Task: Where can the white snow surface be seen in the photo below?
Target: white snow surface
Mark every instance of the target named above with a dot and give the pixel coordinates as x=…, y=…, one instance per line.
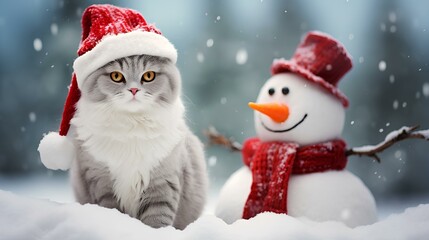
x=425, y=133
x=26, y=218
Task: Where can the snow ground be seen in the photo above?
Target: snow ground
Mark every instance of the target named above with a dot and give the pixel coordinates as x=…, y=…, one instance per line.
x=56, y=188
x=27, y=218
x=24, y=214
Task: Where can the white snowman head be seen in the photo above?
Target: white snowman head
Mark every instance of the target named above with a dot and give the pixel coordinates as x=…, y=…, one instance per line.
x=300, y=103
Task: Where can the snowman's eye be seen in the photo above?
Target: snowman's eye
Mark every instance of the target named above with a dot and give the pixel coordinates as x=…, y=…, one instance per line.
x=285, y=90
x=271, y=91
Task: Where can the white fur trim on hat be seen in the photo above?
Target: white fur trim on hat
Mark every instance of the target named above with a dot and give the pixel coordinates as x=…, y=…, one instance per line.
x=56, y=152
x=113, y=47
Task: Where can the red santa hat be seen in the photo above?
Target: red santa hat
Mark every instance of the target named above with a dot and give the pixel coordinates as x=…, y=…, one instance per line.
x=320, y=59
x=108, y=33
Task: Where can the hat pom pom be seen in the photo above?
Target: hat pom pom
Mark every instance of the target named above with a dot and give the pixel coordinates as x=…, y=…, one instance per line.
x=56, y=151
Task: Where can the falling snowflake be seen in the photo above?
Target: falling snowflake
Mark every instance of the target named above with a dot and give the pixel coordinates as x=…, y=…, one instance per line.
x=200, y=57
x=395, y=104
x=392, y=17
x=212, y=161
x=417, y=95
x=54, y=29
x=210, y=42
x=241, y=56
x=392, y=78
x=382, y=66
x=426, y=89
x=32, y=116
x=399, y=154
x=223, y=100
x=37, y=44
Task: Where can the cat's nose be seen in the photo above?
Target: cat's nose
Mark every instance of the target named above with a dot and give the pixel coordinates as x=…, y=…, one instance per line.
x=134, y=90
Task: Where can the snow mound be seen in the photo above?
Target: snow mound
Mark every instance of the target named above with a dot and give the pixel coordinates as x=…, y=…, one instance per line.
x=24, y=218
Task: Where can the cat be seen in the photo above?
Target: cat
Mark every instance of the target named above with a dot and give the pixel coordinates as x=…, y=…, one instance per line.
x=135, y=152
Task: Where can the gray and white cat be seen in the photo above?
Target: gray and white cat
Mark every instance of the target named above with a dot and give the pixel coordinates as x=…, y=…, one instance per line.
x=134, y=149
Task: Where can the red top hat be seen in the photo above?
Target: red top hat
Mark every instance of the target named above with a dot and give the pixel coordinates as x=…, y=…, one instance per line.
x=320, y=59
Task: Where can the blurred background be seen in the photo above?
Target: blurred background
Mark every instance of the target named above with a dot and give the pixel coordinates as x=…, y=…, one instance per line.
x=225, y=52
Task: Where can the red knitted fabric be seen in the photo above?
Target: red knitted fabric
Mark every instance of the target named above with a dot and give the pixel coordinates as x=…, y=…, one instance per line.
x=69, y=106
x=320, y=59
x=272, y=163
x=99, y=21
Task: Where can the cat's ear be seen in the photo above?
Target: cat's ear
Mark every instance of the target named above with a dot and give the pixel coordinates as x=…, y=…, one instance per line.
x=57, y=152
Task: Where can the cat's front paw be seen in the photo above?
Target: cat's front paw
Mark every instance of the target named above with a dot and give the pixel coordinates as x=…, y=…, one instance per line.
x=158, y=221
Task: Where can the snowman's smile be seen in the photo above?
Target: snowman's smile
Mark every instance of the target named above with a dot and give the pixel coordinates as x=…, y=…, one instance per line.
x=284, y=130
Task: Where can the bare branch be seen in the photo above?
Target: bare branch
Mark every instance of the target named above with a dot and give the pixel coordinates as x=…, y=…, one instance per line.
x=218, y=139
x=392, y=138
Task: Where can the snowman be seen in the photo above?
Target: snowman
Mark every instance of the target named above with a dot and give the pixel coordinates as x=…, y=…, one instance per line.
x=296, y=164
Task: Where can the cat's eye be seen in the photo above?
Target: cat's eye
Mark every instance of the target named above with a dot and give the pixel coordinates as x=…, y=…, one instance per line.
x=148, y=76
x=117, y=76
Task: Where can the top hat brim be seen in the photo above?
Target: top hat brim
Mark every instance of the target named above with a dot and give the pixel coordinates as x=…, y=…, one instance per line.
x=284, y=66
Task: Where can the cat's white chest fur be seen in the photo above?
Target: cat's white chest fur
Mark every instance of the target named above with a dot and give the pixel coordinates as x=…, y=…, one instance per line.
x=131, y=145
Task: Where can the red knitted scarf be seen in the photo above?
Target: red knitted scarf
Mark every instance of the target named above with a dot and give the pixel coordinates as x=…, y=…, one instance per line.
x=273, y=162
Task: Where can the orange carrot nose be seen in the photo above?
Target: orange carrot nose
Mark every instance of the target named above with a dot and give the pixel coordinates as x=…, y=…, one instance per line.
x=276, y=111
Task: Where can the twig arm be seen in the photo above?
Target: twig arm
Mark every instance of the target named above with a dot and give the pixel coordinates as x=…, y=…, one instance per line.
x=216, y=138
x=392, y=138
